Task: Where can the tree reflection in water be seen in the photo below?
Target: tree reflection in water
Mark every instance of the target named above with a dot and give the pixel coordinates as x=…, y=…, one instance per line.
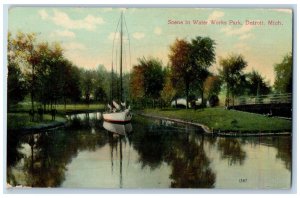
x=283, y=145
x=191, y=166
x=151, y=147
x=50, y=152
x=41, y=160
x=13, y=155
x=181, y=148
x=284, y=151
x=44, y=166
x=231, y=149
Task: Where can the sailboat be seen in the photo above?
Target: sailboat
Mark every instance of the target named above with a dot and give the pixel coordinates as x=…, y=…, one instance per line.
x=121, y=129
x=118, y=113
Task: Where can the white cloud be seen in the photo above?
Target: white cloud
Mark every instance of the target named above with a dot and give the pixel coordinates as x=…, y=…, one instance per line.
x=215, y=15
x=157, y=31
x=138, y=35
x=229, y=30
x=63, y=33
x=74, y=46
x=62, y=19
x=243, y=33
x=43, y=14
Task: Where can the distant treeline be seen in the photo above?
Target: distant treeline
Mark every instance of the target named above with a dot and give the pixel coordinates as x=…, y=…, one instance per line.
x=40, y=71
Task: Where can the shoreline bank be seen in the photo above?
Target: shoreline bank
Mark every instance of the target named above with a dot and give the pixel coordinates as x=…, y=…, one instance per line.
x=42, y=127
x=221, y=133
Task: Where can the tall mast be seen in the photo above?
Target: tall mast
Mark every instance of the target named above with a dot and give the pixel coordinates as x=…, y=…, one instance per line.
x=121, y=56
x=111, y=86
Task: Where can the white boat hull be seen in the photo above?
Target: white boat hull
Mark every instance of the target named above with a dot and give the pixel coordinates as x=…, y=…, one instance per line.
x=120, y=129
x=117, y=117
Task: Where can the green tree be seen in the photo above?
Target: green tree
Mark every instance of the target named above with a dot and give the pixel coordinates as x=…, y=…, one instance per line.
x=137, y=83
x=284, y=77
x=87, y=84
x=212, y=88
x=231, y=73
x=168, y=92
x=103, y=83
x=100, y=94
x=257, y=84
x=190, y=63
x=23, y=46
x=71, y=83
x=147, y=79
x=153, y=77
x=202, y=57
x=50, y=73
x=181, y=68
x=16, y=85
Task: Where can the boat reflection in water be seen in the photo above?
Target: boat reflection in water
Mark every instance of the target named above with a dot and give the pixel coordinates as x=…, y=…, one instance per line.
x=120, y=129
x=154, y=155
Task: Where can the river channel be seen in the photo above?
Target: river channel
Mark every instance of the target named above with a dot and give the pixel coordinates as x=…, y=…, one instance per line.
x=146, y=153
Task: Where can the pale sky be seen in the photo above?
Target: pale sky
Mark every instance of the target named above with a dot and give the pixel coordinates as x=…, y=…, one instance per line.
x=86, y=33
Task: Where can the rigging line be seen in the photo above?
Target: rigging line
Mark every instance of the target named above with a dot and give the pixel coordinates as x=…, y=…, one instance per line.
x=125, y=61
x=128, y=153
x=116, y=72
x=128, y=40
x=115, y=38
x=125, y=69
x=112, y=58
x=116, y=61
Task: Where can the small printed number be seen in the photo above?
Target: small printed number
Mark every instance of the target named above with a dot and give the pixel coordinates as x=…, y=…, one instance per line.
x=242, y=180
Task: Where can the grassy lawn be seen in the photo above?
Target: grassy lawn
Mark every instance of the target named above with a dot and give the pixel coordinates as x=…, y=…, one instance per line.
x=61, y=108
x=80, y=107
x=226, y=120
x=18, y=116
x=21, y=120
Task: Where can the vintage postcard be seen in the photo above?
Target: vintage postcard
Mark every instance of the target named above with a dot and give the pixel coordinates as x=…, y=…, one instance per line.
x=149, y=97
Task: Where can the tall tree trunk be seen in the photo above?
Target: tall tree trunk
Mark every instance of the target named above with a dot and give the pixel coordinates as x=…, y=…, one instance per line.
x=65, y=102
x=227, y=96
x=32, y=104
x=187, y=93
x=32, y=92
x=202, y=95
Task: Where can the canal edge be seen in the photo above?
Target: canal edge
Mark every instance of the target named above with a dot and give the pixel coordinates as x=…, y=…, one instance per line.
x=208, y=131
x=40, y=128
x=205, y=128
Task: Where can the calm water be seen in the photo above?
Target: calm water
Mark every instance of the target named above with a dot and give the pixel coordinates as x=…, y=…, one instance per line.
x=145, y=154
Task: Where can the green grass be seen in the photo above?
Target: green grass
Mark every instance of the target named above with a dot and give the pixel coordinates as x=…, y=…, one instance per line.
x=25, y=107
x=227, y=120
x=80, y=107
x=21, y=120
x=20, y=117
